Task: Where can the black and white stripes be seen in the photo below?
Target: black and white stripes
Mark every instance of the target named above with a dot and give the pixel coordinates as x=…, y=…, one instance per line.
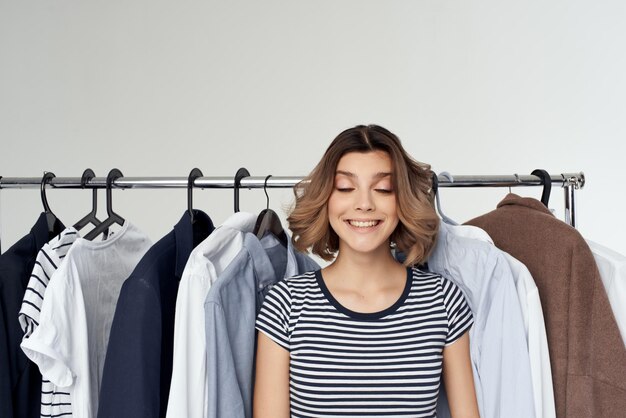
x=55, y=402
x=350, y=364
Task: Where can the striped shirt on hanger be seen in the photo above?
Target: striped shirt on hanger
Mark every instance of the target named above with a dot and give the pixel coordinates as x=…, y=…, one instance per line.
x=55, y=402
x=350, y=364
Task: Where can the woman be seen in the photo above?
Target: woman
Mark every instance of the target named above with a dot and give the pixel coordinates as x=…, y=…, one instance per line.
x=367, y=335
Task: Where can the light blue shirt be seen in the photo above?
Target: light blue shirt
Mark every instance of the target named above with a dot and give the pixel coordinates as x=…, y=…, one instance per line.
x=230, y=309
x=498, y=346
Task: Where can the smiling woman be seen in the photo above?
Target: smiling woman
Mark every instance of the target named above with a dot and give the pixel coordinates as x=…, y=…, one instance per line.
x=362, y=208
x=367, y=335
x=409, y=180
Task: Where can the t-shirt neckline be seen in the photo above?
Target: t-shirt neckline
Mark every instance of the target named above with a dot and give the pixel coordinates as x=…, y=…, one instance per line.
x=365, y=315
x=112, y=237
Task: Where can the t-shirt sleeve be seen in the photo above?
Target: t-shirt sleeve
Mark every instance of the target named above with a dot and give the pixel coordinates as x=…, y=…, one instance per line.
x=460, y=317
x=273, y=319
x=45, y=266
x=49, y=346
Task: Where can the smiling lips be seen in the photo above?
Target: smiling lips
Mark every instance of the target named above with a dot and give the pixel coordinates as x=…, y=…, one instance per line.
x=363, y=224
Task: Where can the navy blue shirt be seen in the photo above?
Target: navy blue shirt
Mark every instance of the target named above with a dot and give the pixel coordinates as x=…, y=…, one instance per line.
x=138, y=365
x=20, y=380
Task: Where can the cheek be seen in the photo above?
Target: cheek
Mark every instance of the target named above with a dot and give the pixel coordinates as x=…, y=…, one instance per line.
x=390, y=207
x=392, y=213
x=332, y=210
x=331, y=205
x=335, y=203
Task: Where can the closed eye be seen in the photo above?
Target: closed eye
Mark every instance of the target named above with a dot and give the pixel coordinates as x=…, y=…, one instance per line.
x=345, y=189
x=384, y=191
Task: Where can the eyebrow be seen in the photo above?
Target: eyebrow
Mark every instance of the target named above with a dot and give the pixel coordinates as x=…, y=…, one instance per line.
x=378, y=175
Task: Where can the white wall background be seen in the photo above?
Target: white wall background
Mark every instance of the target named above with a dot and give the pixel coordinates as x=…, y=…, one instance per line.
x=157, y=87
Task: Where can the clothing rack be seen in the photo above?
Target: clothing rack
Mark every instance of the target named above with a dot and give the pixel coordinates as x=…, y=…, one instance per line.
x=570, y=182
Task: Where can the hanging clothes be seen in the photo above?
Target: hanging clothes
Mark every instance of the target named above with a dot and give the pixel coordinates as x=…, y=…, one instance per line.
x=231, y=307
x=70, y=343
x=534, y=326
x=138, y=365
x=612, y=268
x=20, y=381
x=498, y=347
x=188, y=390
x=586, y=351
x=55, y=402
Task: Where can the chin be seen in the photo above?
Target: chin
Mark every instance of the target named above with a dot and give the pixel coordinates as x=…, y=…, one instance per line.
x=369, y=249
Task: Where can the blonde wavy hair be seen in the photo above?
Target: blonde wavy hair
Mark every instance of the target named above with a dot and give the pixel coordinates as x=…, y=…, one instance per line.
x=412, y=181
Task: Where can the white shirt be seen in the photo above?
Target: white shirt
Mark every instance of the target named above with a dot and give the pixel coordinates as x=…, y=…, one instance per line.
x=534, y=325
x=612, y=267
x=498, y=347
x=189, y=390
x=70, y=343
x=55, y=402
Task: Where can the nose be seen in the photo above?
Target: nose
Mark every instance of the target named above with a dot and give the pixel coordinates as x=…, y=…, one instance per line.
x=364, y=201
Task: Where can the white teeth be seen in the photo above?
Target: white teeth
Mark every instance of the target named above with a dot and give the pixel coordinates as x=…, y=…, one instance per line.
x=363, y=224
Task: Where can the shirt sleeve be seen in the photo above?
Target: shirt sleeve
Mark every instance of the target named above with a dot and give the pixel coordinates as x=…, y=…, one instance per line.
x=35, y=291
x=229, y=395
x=50, y=344
x=273, y=319
x=188, y=390
x=460, y=317
x=48, y=260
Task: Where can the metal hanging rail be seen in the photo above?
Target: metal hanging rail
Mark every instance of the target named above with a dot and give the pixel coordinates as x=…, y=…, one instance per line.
x=569, y=181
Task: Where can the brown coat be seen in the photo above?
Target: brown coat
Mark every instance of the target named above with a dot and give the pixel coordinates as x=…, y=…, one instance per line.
x=587, y=354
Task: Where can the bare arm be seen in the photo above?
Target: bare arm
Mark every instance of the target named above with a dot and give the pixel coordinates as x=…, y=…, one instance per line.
x=459, y=380
x=271, y=386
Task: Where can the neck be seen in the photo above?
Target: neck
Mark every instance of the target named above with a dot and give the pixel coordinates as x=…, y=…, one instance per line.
x=368, y=267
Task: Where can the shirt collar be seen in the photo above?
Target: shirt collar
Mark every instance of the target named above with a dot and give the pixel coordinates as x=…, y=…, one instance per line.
x=241, y=221
x=514, y=200
x=292, y=262
x=469, y=231
x=263, y=266
x=438, y=258
x=184, y=232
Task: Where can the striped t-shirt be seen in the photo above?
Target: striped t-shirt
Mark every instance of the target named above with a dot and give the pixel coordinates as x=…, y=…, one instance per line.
x=55, y=402
x=350, y=364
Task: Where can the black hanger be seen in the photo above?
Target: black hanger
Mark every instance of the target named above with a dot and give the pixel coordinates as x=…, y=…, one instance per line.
x=90, y=218
x=241, y=173
x=435, y=183
x=546, y=180
x=113, y=218
x=193, y=175
x=50, y=217
x=268, y=221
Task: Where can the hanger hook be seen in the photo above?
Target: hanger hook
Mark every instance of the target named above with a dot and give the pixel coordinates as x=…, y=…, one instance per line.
x=88, y=174
x=113, y=175
x=193, y=175
x=446, y=176
x=47, y=176
x=241, y=173
x=267, y=197
x=546, y=180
